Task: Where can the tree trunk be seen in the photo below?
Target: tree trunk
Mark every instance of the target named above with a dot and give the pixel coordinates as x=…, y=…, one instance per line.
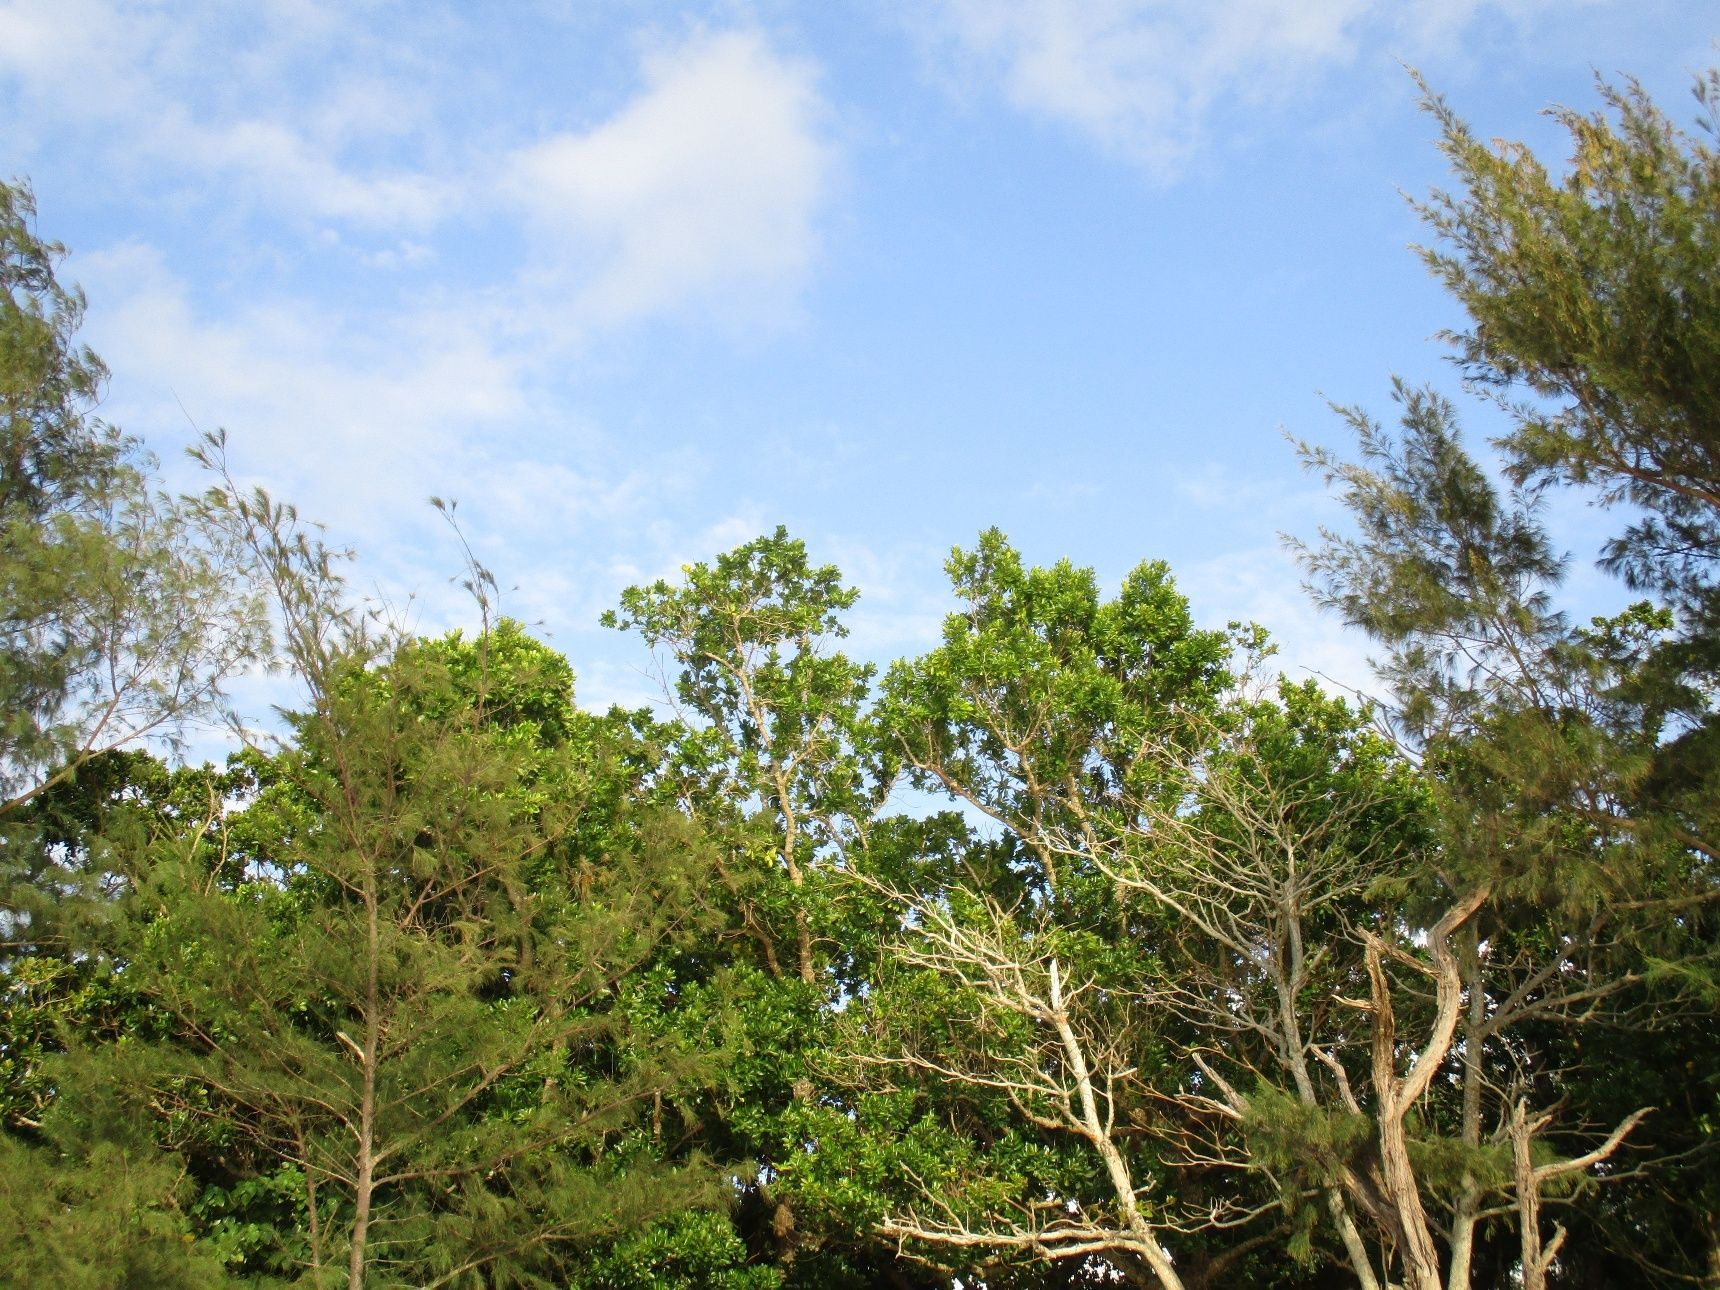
x=791, y=842
x=1294, y=1052
x=1467, y=1208
x=1536, y=1257
x=1395, y=1095
x=366, y=1172
x=1354, y=1246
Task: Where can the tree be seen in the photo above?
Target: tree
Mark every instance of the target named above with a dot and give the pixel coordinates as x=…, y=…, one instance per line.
x=116, y=1216
x=1036, y=713
x=1192, y=970
x=1186, y=879
x=772, y=751
x=1290, y=818
x=1596, y=293
x=1575, y=767
x=120, y=614
x=776, y=733
x=119, y=619
x=419, y=1013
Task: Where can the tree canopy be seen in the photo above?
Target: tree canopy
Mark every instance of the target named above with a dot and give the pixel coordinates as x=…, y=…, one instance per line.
x=1169, y=971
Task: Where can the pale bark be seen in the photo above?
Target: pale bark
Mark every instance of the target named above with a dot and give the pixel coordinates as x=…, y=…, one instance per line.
x=1099, y=1134
x=366, y=1162
x=1396, y=1094
x=1254, y=894
x=1061, y=1083
x=1528, y=1178
x=1536, y=1257
x=1466, y=1211
x=1351, y=1236
x=791, y=840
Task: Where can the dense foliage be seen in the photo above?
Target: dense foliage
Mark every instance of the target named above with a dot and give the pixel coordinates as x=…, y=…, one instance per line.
x=1191, y=977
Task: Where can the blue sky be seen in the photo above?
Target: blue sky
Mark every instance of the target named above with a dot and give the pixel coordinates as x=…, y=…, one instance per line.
x=636, y=282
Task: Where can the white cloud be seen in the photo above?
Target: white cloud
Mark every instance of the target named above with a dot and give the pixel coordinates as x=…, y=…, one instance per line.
x=904, y=597
x=1445, y=29
x=357, y=400
x=358, y=420
x=1141, y=76
x=1149, y=79
x=56, y=50
x=402, y=255
x=202, y=92
x=280, y=163
x=704, y=190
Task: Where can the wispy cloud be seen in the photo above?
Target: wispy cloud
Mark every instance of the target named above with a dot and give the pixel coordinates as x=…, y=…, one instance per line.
x=360, y=424
x=1264, y=586
x=1148, y=80
x=356, y=419
x=279, y=101
x=1141, y=76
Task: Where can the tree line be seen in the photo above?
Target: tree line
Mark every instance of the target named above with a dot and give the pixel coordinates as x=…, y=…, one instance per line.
x=1199, y=977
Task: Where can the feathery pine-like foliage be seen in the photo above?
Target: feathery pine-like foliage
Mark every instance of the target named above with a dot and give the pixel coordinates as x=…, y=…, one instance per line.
x=119, y=614
x=1203, y=981
x=1574, y=766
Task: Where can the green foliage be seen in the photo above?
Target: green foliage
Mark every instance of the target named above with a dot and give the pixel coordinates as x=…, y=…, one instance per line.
x=776, y=749
x=113, y=1217
x=1036, y=652
x=1035, y=707
x=255, y=1223
x=118, y=618
x=1018, y=1022
x=444, y=972
x=1596, y=290
x=456, y=984
x=1307, y=1145
x=746, y=624
x=774, y=753
x=393, y=979
x=60, y=469
x=1574, y=767
x=118, y=613
x=57, y=457
x=691, y=1251
x=63, y=974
